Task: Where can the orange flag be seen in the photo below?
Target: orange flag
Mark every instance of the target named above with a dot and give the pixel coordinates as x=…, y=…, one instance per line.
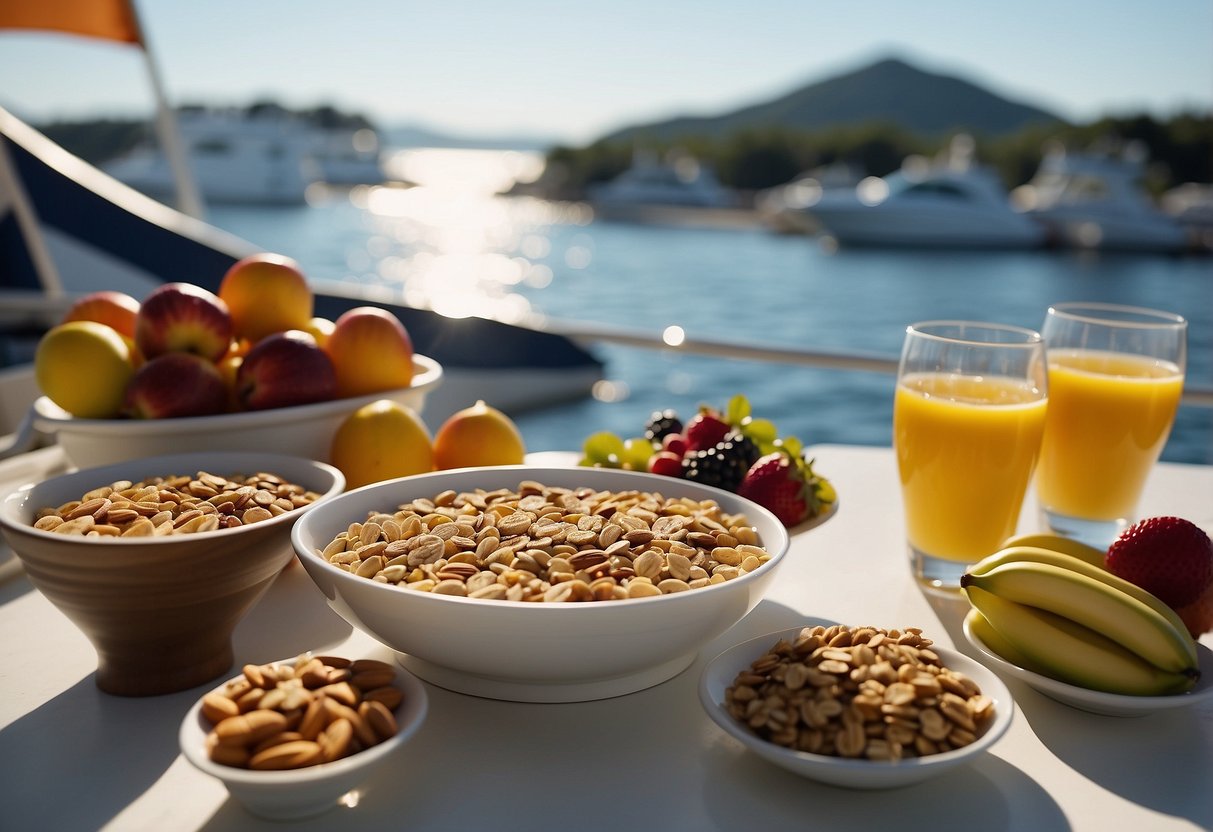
x=108, y=19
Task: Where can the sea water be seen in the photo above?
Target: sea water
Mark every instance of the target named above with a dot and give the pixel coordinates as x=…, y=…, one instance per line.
x=450, y=243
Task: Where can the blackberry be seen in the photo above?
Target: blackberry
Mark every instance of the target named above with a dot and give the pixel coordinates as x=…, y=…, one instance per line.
x=662, y=423
x=723, y=465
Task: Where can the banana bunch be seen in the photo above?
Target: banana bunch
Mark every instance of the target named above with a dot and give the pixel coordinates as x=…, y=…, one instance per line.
x=1047, y=604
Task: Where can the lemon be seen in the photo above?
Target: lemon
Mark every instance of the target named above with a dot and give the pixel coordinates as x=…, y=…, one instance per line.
x=478, y=435
x=84, y=367
x=381, y=441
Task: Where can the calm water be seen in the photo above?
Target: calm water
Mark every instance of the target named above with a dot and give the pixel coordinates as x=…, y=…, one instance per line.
x=452, y=245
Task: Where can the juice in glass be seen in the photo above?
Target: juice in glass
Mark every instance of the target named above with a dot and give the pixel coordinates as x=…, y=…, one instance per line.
x=966, y=447
x=1109, y=417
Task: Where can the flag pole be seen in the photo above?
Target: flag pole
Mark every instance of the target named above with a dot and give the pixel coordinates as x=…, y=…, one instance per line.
x=188, y=199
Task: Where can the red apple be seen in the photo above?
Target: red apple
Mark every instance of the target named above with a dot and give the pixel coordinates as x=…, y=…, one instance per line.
x=285, y=369
x=181, y=317
x=114, y=309
x=176, y=384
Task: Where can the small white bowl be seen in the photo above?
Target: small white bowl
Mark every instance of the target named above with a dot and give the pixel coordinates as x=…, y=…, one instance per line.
x=841, y=771
x=303, y=792
x=535, y=652
x=1098, y=702
x=304, y=430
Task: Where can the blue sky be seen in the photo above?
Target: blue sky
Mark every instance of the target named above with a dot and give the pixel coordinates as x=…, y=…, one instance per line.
x=574, y=71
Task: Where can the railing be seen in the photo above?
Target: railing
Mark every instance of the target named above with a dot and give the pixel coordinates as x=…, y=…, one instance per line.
x=588, y=334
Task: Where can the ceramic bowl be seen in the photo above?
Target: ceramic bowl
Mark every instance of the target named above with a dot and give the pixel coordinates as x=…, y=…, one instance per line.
x=839, y=771
x=1094, y=701
x=304, y=792
x=304, y=430
x=159, y=611
x=535, y=652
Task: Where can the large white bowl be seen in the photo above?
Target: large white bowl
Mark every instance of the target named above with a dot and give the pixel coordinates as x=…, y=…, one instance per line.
x=304, y=430
x=841, y=771
x=534, y=652
x=1094, y=701
x=304, y=792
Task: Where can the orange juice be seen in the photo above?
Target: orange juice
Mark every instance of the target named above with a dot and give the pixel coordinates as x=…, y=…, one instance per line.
x=1109, y=417
x=966, y=447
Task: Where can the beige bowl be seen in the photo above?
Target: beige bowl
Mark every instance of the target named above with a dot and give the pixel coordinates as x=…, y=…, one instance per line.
x=159, y=611
x=304, y=430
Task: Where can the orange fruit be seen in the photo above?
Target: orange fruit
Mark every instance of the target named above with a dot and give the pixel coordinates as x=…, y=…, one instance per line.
x=381, y=441
x=478, y=435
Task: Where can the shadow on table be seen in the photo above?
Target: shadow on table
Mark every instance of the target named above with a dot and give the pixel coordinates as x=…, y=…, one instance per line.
x=290, y=619
x=79, y=760
x=1112, y=751
x=743, y=791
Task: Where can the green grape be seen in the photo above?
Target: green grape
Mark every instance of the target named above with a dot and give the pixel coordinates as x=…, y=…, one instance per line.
x=792, y=445
x=636, y=453
x=600, y=447
x=760, y=431
x=738, y=410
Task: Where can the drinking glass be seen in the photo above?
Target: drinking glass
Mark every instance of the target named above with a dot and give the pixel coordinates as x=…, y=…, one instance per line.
x=1116, y=374
x=968, y=415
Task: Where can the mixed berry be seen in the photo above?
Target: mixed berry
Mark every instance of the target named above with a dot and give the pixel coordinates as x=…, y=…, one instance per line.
x=727, y=449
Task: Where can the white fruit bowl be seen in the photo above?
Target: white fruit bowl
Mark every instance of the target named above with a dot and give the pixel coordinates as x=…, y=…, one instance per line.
x=841, y=771
x=304, y=792
x=535, y=652
x=304, y=430
x=1094, y=701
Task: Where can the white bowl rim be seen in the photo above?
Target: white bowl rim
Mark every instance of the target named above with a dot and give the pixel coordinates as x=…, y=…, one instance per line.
x=50, y=417
x=1120, y=702
x=992, y=687
x=191, y=737
x=19, y=496
x=601, y=608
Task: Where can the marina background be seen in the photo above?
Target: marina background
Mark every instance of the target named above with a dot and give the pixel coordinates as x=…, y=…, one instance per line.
x=452, y=242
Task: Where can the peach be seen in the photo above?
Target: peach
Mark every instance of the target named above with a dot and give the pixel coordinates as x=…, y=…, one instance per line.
x=266, y=293
x=478, y=435
x=320, y=329
x=371, y=352
x=116, y=310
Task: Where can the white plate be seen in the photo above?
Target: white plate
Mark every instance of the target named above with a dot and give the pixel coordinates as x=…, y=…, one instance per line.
x=1098, y=702
x=840, y=771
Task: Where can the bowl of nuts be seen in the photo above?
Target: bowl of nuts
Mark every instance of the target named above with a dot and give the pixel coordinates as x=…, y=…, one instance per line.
x=302, y=430
x=542, y=584
x=157, y=559
x=290, y=739
x=858, y=707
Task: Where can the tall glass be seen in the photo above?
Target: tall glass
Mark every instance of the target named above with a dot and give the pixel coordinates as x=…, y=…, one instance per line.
x=1116, y=374
x=968, y=416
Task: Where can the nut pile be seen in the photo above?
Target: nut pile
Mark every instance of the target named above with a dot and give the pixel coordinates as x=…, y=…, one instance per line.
x=175, y=505
x=285, y=716
x=542, y=543
x=862, y=692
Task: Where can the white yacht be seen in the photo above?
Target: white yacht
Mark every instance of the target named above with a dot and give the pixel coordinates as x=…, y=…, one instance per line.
x=954, y=204
x=1097, y=201
x=681, y=182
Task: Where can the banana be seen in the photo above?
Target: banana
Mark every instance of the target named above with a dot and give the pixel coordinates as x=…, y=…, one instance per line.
x=1065, y=650
x=1057, y=543
x=1035, y=554
x=996, y=642
x=1105, y=609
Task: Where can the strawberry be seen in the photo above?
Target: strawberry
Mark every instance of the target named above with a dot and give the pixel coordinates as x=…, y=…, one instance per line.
x=1168, y=557
x=1198, y=615
x=706, y=428
x=777, y=482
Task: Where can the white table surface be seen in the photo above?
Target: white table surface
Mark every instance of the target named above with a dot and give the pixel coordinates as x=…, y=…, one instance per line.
x=73, y=758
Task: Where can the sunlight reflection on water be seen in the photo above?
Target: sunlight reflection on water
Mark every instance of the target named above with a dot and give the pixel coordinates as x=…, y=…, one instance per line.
x=450, y=241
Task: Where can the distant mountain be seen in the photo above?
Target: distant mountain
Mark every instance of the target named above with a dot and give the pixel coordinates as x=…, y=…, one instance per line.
x=889, y=91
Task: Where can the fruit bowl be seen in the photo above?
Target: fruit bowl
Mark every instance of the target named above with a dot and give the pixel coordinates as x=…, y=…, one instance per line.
x=534, y=652
x=1094, y=701
x=304, y=792
x=159, y=610
x=839, y=771
x=302, y=430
